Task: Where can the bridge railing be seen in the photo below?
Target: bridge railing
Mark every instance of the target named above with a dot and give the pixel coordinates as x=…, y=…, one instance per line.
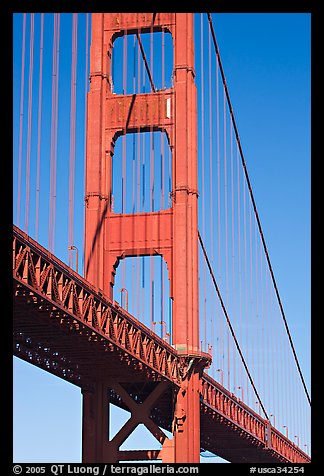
x=232, y=409
x=287, y=448
x=46, y=276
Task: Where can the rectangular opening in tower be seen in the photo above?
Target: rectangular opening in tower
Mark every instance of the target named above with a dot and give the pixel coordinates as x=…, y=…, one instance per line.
x=142, y=173
x=140, y=60
x=142, y=287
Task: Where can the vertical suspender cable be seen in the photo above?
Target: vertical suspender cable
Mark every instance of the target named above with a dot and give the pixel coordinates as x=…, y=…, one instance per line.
x=299, y=410
x=264, y=347
x=273, y=355
x=210, y=149
x=29, y=121
x=134, y=260
x=124, y=132
x=152, y=142
x=249, y=302
x=302, y=421
x=294, y=414
x=39, y=123
x=256, y=314
x=151, y=206
x=134, y=147
x=229, y=324
x=170, y=163
x=203, y=161
x=290, y=396
x=272, y=343
x=163, y=134
x=243, y=245
x=260, y=361
x=54, y=58
x=138, y=196
x=55, y=75
x=254, y=298
x=278, y=370
x=21, y=116
x=283, y=367
x=226, y=233
x=268, y=344
x=143, y=147
x=72, y=136
x=211, y=201
x=124, y=138
x=221, y=327
x=239, y=267
x=86, y=79
x=138, y=128
x=218, y=170
x=143, y=183
x=56, y=126
x=56, y=123
x=256, y=214
x=162, y=205
x=232, y=243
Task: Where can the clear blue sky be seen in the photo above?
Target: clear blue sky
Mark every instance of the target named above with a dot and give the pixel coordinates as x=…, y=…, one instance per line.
x=266, y=58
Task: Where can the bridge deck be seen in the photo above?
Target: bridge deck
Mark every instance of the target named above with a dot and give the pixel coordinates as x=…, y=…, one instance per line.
x=67, y=327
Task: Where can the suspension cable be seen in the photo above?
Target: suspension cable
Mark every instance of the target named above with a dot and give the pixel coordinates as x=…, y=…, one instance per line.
x=72, y=136
x=21, y=116
x=29, y=120
x=229, y=324
x=254, y=206
x=145, y=62
x=54, y=129
x=39, y=123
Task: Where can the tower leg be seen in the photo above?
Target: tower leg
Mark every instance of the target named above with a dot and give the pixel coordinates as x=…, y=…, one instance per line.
x=96, y=446
x=95, y=426
x=187, y=435
x=187, y=422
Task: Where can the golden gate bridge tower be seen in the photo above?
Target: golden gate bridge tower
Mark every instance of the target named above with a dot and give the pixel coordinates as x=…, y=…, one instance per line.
x=223, y=379
x=171, y=233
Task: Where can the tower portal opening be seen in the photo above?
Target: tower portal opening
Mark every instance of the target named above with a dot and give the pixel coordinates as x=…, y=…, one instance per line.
x=142, y=173
x=129, y=68
x=142, y=287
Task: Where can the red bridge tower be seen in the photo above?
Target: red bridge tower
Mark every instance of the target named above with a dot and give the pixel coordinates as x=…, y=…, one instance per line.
x=171, y=233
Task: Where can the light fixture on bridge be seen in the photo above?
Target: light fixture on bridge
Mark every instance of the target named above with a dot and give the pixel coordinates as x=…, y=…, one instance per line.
x=274, y=419
x=70, y=248
x=285, y=426
x=222, y=376
x=163, y=326
x=242, y=390
x=124, y=290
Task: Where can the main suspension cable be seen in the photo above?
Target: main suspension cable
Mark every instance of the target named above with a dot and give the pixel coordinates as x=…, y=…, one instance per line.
x=229, y=323
x=254, y=206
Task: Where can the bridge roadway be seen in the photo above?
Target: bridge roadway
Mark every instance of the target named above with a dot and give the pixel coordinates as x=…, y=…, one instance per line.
x=64, y=325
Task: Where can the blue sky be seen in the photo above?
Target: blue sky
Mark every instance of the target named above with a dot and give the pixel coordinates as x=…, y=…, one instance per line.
x=266, y=59
x=269, y=82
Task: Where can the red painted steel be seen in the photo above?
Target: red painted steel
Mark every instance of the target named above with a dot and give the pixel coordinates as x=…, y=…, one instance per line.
x=66, y=326
x=227, y=411
x=173, y=233
x=68, y=294
x=77, y=331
